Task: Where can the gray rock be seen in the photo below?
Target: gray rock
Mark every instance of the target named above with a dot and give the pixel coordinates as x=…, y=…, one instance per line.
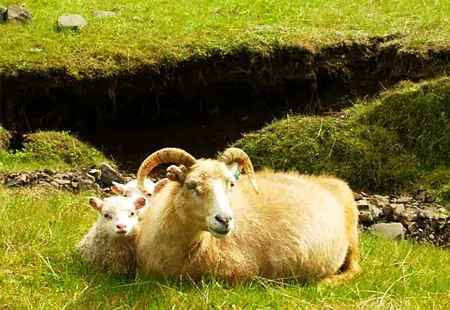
x=404, y=199
x=71, y=21
x=390, y=230
x=376, y=212
x=18, y=14
x=49, y=171
x=62, y=182
x=426, y=214
x=365, y=217
x=96, y=173
x=398, y=209
x=2, y=14
x=103, y=14
x=109, y=175
x=357, y=196
x=363, y=205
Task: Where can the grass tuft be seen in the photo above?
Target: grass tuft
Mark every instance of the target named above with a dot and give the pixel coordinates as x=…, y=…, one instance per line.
x=400, y=141
x=51, y=149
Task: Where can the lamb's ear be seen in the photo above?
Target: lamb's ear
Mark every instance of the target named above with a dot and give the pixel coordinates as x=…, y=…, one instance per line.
x=118, y=188
x=139, y=203
x=96, y=203
x=177, y=174
x=236, y=170
x=160, y=185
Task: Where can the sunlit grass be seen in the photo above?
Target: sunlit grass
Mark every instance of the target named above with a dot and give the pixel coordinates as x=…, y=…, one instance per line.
x=145, y=32
x=39, y=269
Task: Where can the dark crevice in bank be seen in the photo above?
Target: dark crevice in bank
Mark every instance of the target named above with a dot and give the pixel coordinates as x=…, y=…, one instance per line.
x=203, y=104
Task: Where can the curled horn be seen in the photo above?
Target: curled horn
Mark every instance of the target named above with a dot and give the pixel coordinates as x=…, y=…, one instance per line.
x=163, y=156
x=236, y=155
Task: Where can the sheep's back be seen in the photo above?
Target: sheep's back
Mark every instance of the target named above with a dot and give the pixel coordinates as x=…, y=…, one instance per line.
x=291, y=226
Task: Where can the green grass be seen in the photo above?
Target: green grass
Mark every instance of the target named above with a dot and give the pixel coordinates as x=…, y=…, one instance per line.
x=149, y=32
x=39, y=269
x=50, y=149
x=398, y=142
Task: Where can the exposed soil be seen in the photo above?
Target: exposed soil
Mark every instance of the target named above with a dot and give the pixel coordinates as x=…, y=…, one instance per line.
x=203, y=104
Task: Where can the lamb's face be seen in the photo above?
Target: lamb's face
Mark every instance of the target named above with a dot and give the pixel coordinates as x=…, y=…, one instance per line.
x=131, y=189
x=118, y=214
x=208, y=187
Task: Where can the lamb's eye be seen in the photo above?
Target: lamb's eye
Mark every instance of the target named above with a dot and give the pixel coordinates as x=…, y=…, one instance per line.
x=232, y=184
x=132, y=214
x=107, y=216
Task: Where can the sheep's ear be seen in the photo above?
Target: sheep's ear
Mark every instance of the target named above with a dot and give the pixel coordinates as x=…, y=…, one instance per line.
x=160, y=185
x=118, y=188
x=96, y=203
x=236, y=170
x=140, y=203
x=177, y=174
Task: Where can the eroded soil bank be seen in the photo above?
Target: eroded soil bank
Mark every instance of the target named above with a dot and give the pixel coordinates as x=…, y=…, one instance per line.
x=203, y=104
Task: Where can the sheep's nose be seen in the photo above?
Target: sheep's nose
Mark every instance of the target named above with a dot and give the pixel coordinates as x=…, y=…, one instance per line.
x=224, y=219
x=121, y=226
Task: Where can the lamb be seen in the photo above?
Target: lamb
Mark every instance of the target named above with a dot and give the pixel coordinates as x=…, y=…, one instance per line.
x=201, y=224
x=111, y=243
x=131, y=190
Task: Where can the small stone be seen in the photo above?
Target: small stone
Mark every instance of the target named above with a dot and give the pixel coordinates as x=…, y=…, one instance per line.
x=109, y=175
x=357, y=196
x=62, y=182
x=18, y=14
x=49, y=171
x=426, y=215
x=71, y=21
x=429, y=198
x=404, y=199
x=365, y=217
x=390, y=230
x=406, y=217
x=55, y=184
x=382, y=199
x=376, y=212
x=362, y=205
x=96, y=173
x=74, y=184
x=103, y=14
x=398, y=209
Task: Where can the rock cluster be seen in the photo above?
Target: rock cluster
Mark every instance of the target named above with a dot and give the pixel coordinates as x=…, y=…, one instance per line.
x=420, y=217
x=99, y=178
x=20, y=15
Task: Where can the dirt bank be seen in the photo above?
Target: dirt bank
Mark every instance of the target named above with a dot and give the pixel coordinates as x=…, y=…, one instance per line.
x=203, y=104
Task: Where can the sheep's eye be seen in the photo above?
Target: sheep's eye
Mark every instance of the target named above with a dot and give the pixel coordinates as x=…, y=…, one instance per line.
x=107, y=216
x=191, y=186
x=232, y=184
x=149, y=194
x=132, y=214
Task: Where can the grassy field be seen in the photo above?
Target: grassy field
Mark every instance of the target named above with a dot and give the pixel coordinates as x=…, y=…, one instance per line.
x=39, y=269
x=151, y=32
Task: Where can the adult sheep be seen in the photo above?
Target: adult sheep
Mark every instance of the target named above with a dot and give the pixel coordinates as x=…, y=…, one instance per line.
x=289, y=229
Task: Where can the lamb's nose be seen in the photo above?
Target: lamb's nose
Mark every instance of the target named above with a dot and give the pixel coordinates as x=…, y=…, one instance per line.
x=121, y=226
